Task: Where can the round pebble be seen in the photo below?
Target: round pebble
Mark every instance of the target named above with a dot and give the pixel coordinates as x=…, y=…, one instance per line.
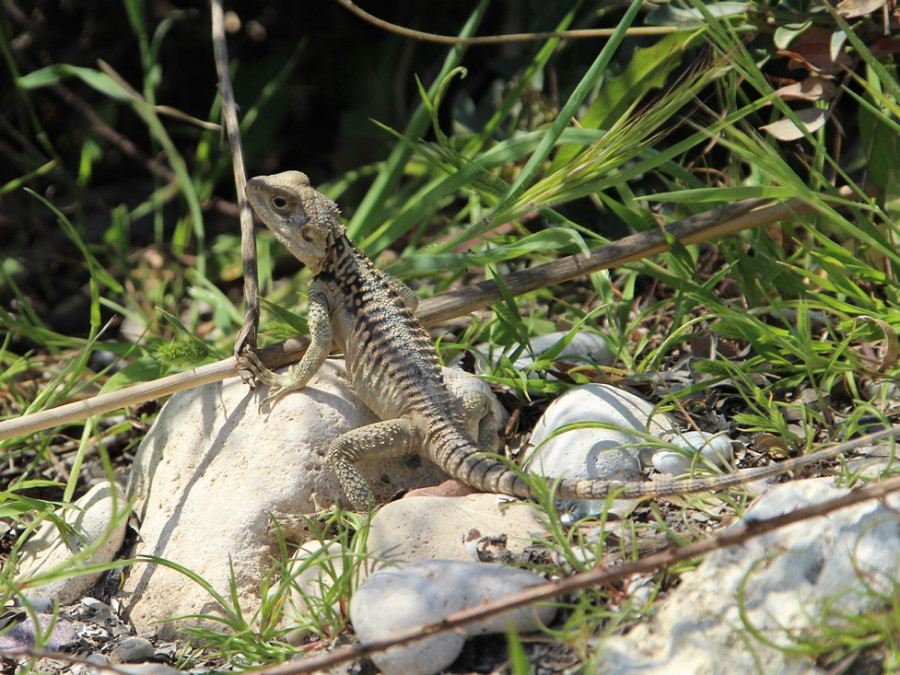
x=716, y=449
x=399, y=598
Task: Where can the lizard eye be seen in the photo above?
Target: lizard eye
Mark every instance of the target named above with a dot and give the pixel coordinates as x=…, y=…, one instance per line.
x=279, y=202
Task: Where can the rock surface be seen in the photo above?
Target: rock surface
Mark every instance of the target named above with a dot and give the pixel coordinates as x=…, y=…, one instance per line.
x=213, y=468
x=416, y=594
x=97, y=520
x=788, y=577
x=598, y=452
x=584, y=347
x=595, y=452
x=23, y=635
x=714, y=450
x=476, y=528
x=454, y=528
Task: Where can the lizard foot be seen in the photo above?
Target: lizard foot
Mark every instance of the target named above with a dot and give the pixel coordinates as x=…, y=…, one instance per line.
x=280, y=384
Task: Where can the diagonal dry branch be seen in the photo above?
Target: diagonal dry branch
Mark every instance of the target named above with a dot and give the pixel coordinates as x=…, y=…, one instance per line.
x=246, y=338
x=699, y=228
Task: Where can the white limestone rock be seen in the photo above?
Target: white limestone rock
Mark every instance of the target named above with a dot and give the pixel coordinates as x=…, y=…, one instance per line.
x=399, y=598
x=477, y=527
x=788, y=576
x=213, y=468
x=598, y=452
x=99, y=519
x=452, y=528
x=146, y=669
x=459, y=382
x=584, y=347
x=715, y=449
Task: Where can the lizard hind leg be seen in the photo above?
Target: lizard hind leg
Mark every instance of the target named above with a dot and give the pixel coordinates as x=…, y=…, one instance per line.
x=479, y=418
x=375, y=441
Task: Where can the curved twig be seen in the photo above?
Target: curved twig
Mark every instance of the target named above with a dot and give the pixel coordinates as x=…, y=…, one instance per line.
x=498, y=39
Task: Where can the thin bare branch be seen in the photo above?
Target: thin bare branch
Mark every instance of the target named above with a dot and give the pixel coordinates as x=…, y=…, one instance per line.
x=497, y=39
x=246, y=339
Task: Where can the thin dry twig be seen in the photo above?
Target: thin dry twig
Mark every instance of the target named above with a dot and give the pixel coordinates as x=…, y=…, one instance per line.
x=246, y=339
x=497, y=39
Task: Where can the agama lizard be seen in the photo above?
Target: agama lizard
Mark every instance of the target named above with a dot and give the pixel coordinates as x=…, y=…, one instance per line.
x=394, y=368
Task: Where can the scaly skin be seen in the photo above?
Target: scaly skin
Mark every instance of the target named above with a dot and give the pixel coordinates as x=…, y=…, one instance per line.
x=394, y=368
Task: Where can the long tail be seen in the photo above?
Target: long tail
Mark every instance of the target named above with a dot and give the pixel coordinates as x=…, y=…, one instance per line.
x=458, y=455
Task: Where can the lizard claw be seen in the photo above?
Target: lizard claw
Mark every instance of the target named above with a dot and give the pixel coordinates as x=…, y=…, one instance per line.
x=275, y=394
x=251, y=361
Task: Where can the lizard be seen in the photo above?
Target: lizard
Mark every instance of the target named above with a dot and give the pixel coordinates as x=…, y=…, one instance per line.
x=394, y=368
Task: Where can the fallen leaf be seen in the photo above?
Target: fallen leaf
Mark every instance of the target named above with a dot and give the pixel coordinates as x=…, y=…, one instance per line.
x=785, y=130
x=850, y=9
x=767, y=443
x=814, y=49
x=809, y=89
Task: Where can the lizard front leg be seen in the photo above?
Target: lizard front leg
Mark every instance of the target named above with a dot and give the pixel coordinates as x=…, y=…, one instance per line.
x=299, y=374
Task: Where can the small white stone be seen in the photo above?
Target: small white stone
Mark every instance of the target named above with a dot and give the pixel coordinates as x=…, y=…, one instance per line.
x=34, y=603
x=426, y=528
x=399, y=598
x=611, y=450
x=459, y=382
x=597, y=451
x=147, y=669
x=715, y=448
x=584, y=347
x=92, y=522
x=131, y=649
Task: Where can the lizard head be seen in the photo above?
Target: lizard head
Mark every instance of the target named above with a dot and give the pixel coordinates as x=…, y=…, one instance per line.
x=304, y=220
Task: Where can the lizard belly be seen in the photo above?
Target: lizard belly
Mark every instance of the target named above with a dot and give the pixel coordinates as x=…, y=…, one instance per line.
x=371, y=373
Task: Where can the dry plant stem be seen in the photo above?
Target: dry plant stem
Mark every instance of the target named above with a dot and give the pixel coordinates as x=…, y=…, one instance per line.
x=495, y=39
x=735, y=536
x=702, y=227
x=246, y=339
